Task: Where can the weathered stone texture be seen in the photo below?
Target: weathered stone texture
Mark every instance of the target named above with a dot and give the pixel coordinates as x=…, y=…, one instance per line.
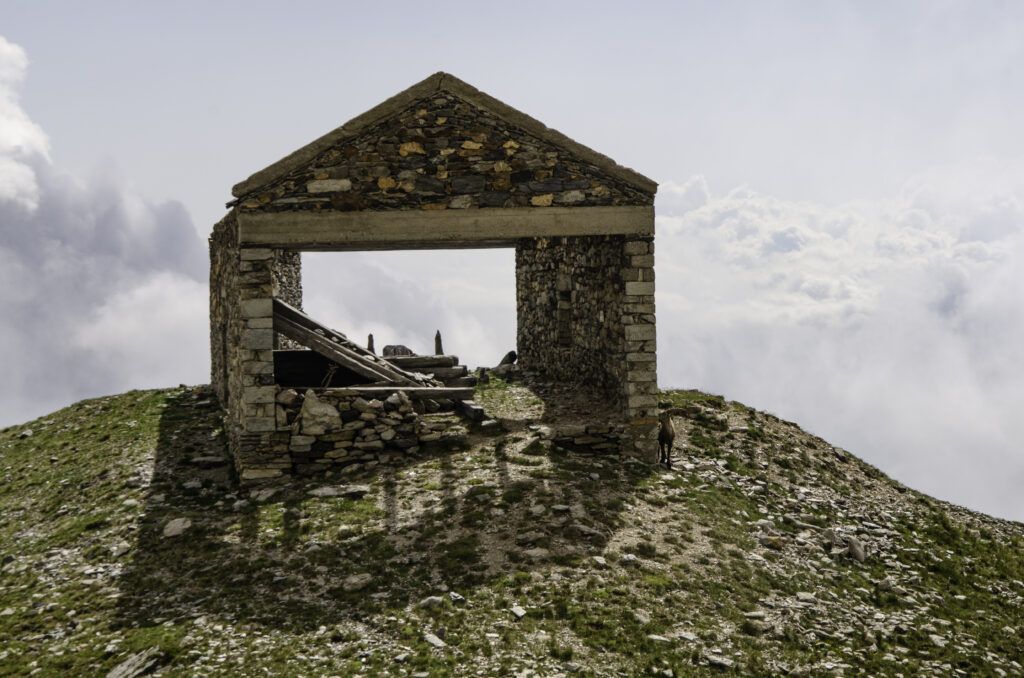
x=243, y=281
x=569, y=299
x=585, y=303
x=286, y=275
x=582, y=321
x=443, y=152
x=223, y=304
x=318, y=429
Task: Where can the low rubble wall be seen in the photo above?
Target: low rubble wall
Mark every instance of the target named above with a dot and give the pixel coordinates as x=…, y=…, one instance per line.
x=320, y=429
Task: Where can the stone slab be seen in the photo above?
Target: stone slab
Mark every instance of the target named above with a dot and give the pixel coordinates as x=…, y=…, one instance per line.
x=640, y=288
x=257, y=308
x=639, y=332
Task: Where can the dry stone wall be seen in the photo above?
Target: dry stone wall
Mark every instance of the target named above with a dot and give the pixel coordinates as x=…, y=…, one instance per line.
x=286, y=275
x=443, y=152
x=569, y=299
x=586, y=316
x=325, y=428
x=223, y=301
x=320, y=429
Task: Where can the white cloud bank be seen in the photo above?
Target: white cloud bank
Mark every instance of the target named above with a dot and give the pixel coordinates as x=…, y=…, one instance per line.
x=892, y=329
x=100, y=290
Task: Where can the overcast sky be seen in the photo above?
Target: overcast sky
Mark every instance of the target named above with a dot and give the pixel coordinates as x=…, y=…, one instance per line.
x=840, y=230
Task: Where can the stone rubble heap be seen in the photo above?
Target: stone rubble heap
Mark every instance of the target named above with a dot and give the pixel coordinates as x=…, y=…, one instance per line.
x=325, y=428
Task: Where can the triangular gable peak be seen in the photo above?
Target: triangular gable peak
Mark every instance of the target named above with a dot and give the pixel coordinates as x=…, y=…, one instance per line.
x=441, y=145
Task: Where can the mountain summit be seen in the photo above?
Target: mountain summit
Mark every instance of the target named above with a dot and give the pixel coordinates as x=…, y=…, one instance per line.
x=128, y=550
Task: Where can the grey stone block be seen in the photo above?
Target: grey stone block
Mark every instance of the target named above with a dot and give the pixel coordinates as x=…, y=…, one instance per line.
x=255, y=253
x=639, y=332
x=257, y=308
x=258, y=339
x=260, y=424
x=640, y=288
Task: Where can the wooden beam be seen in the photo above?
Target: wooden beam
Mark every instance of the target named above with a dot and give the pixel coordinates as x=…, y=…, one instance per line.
x=472, y=410
x=435, y=392
x=292, y=319
x=327, y=348
x=446, y=373
x=423, y=361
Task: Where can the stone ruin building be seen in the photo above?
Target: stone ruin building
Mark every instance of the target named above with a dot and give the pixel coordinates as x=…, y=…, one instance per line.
x=438, y=166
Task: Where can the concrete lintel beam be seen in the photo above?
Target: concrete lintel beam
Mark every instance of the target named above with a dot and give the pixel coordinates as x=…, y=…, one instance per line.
x=402, y=229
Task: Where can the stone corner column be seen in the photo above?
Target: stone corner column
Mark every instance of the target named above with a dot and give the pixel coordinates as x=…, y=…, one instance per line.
x=257, y=454
x=640, y=332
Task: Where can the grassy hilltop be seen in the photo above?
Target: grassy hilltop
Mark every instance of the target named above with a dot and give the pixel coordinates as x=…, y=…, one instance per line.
x=126, y=549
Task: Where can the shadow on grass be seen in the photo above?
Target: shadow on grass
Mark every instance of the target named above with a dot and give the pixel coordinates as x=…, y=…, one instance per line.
x=297, y=561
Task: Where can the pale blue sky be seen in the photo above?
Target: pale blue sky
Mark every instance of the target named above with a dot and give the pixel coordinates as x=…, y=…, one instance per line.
x=840, y=218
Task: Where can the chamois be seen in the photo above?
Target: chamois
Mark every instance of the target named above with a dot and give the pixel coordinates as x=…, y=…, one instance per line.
x=667, y=434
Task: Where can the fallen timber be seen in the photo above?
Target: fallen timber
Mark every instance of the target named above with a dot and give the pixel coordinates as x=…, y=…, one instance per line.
x=296, y=325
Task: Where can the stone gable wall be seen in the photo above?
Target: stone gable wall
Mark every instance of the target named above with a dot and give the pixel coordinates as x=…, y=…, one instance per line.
x=443, y=153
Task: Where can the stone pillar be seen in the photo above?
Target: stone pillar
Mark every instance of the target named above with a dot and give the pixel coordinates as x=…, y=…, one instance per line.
x=586, y=316
x=638, y=320
x=252, y=406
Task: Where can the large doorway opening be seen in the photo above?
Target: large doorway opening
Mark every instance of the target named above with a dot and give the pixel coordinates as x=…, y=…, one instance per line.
x=404, y=297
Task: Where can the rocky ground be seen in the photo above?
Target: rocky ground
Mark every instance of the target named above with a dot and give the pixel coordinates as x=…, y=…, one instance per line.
x=127, y=549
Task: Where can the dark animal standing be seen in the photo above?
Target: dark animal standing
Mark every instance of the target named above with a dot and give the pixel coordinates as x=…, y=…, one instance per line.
x=667, y=432
x=666, y=436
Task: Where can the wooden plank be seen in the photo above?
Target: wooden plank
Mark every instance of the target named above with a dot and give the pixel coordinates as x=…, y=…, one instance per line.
x=435, y=392
x=446, y=373
x=371, y=369
x=341, y=343
x=418, y=362
x=327, y=348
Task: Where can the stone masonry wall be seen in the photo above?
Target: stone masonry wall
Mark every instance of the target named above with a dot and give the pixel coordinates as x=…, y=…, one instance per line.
x=286, y=273
x=223, y=299
x=585, y=304
x=251, y=407
x=569, y=301
x=325, y=428
x=586, y=316
x=443, y=152
x=319, y=429
x=286, y=278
